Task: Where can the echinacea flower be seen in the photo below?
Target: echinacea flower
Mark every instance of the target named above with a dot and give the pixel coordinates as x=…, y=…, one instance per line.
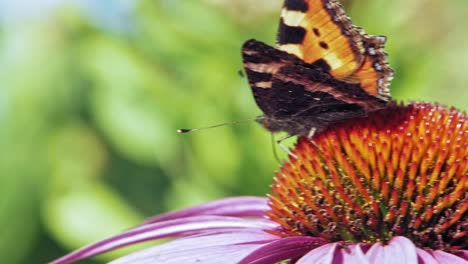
x=388, y=188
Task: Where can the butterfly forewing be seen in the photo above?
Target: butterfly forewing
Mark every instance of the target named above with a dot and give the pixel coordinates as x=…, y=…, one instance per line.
x=320, y=30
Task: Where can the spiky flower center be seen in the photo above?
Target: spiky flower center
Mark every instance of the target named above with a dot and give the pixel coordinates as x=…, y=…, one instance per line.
x=402, y=171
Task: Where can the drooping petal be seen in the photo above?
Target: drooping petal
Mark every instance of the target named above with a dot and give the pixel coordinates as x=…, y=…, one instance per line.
x=283, y=249
x=335, y=254
x=447, y=258
x=323, y=255
x=463, y=254
x=398, y=250
x=235, y=206
x=172, y=228
x=229, y=247
x=425, y=257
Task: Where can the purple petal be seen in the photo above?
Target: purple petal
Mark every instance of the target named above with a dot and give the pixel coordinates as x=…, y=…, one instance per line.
x=354, y=254
x=447, y=258
x=172, y=228
x=333, y=253
x=229, y=247
x=398, y=250
x=425, y=257
x=324, y=255
x=236, y=206
x=283, y=249
x=462, y=254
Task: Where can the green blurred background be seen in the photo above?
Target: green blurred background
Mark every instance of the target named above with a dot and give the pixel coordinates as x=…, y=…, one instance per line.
x=92, y=92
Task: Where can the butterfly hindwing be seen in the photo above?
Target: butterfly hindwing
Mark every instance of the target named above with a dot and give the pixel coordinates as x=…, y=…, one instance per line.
x=296, y=96
x=375, y=74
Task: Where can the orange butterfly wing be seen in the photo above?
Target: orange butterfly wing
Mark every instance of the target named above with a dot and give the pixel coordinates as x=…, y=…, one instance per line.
x=319, y=31
x=375, y=73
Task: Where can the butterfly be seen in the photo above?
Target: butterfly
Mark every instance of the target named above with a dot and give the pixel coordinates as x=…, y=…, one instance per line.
x=323, y=69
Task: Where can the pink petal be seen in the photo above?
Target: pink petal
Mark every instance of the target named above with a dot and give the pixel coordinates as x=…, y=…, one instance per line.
x=447, y=258
x=226, y=248
x=425, y=257
x=283, y=249
x=172, y=228
x=354, y=254
x=335, y=254
x=398, y=250
x=462, y=254
x=235, y=206
x=323, y=255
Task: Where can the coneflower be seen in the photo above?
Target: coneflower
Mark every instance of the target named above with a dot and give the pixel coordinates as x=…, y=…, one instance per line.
x=388, y=188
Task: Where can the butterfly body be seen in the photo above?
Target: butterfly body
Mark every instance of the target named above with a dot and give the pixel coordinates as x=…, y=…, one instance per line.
x=323, y=69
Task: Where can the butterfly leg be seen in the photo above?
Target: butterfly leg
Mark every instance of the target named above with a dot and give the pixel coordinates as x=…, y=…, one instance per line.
x=310, y=136
x=283, y=147
x=311, y=133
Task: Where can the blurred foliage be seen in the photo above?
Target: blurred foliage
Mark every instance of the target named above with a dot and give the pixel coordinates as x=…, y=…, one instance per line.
x=91, y=95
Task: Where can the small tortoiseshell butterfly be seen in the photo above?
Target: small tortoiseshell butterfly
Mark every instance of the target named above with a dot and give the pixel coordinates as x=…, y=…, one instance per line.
x=322, y=71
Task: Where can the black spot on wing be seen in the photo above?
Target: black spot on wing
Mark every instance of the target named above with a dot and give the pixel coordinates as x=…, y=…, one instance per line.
x=316, y=31
x=290, y=35
x=323, y=45
x=296, y=5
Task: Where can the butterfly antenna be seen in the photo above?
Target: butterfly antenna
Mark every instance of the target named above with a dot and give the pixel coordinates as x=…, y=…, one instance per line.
x=189, y=130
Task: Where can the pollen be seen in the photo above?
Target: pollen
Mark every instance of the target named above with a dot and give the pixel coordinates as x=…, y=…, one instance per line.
x=401, y=171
